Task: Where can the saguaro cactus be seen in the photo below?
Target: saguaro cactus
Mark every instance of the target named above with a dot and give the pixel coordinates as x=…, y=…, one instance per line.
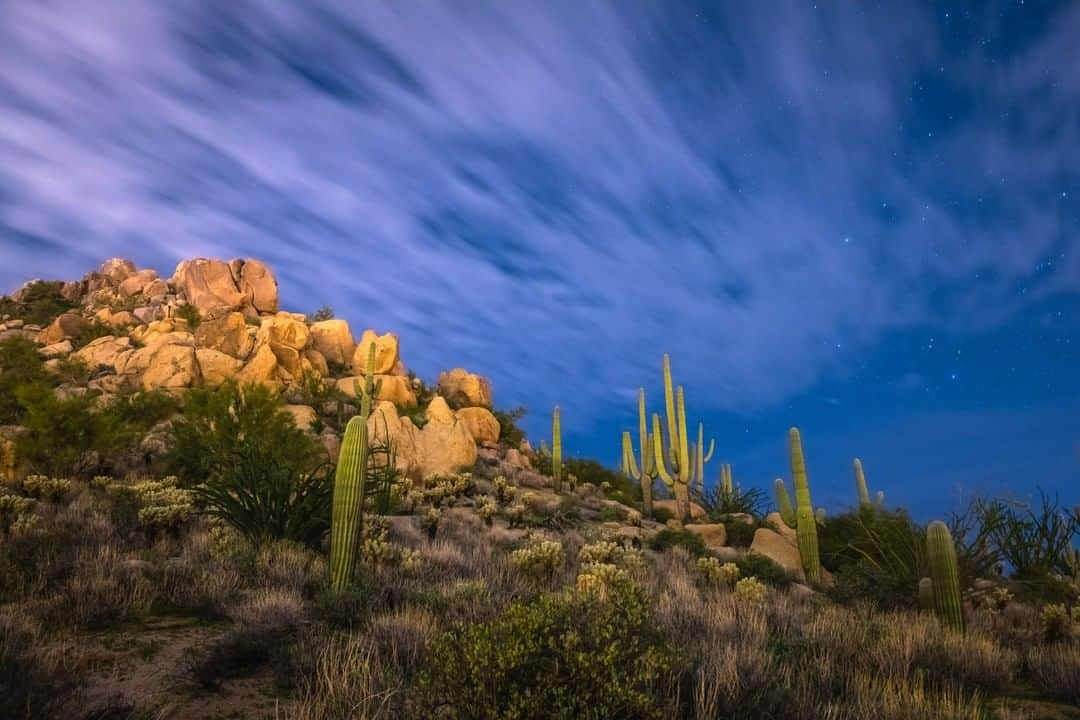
x=727, y=483
x=347, y=516
x=556, y=450
x=926, y=593
x=860, y=483
x=805, y=520
x=646, y=473
x=783, y=502
x=941, y=556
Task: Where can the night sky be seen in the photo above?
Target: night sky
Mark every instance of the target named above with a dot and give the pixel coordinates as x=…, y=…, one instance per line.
x=860, y=218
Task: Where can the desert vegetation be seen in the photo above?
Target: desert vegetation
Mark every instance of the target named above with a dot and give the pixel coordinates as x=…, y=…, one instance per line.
x=183, y=553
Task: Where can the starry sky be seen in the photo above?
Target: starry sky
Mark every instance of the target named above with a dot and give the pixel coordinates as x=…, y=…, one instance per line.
x=859, y=218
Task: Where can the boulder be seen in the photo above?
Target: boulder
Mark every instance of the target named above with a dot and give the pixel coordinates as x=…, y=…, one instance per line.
x=444, y=444
x=386, y=352
x=392, y=388
x=135, y=283
x=117, y=269
x=779, y=549
x=216, y=367
x=228, y=333
x=258, y=285
x=169, y=366
x=481, y=424
x=283, y=329
x=384, y=424
x=289, y=361
x=155, y=289
x=148, y=313
x=261, y=368
x=696, y=511
x=334, y=340
x=64, y=327
x=56, y=349
x=777, y=522
x=317, y=362
x=462, y=388
x=302, y=415
x=517, y=459
x=714, y=535
x=108, y=351
x=208, y=284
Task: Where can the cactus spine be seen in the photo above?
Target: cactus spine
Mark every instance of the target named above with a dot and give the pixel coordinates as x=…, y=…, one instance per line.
x=556, y=450
x=805, y=521
x=941, y=556
x=926, y=594
x=348, y=502
x=860, y=484
x=783, y=502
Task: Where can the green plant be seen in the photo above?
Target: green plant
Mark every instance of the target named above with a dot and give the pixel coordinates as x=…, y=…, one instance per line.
x=741, y=534
x=20, y=365
x=878, y=554
x=90, y=331
x=751, y=590
x=1034, y=540
x=556, y=450
x=323, y=313
x=722, y=501
x=562, y=656
x=189, y=314
x=39, y=303
x=265, y=499
x=941, y=556
x=539, y=561
x=509, y=432
x=926, y=593
x=861, y=490
x=72, y=369
x=216, y=426
x=805, y=521
x=348, y=499
x=671, y=537
x=764, y=569
x=645, y=470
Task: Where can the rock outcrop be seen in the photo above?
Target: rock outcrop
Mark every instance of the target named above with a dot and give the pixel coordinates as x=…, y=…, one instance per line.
x=245, y=285
x=462, y=388
x=386, y=352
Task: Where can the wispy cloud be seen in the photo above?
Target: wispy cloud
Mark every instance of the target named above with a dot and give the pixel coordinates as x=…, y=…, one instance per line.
x=556, y=193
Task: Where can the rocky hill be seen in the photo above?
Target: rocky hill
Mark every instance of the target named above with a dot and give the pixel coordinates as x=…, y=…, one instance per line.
x=215, y=320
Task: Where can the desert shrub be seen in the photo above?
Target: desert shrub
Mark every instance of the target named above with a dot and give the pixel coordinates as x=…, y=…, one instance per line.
x=713, y=572
x=91, y=331
x=20, y=366
x=662, y=515
x=152, y=506
x=881, y=552
x=1055, y=670
x=671, y=537
x=862, y=581
x=269, y=498
x=540, y=560
x=618, y=487
x=323, y=313
x=189, y=314
x=72, y=369
x=741, y=534
x=509, y=432
x=34, y=679
x=103, y=589
x=562, y=655
x=40, y=303
x=719, y=504
x=220, y=427
x=764, y=569
x=1034, y=540
x=751, y=590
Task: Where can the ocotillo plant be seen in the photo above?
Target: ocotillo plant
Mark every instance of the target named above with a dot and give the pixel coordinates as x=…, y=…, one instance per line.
x=941, y=556
x=556, y=450
x=347, y=516
x=805, y=521
x=646, y=473
x=783, y=503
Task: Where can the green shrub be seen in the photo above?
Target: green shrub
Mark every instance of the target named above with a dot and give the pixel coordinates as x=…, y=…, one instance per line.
x=40, y=304
x=91, y=331
x=662, y=515
x=565, y=655
x=719, y=504
x=670, y=537
x=509, y=432
x=764, y=569
x=20, y=365
x=189, y=314
x=884, y=545
x=324, y=313
x=218, y=426
x=741, y=534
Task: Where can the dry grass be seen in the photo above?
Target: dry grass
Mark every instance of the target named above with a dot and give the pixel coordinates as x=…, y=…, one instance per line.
x=1055, y=670
x=349, y=681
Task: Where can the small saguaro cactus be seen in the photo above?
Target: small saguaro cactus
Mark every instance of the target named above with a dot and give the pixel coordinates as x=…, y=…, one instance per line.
x=926, y=593
x=727, y=482
x=805, y=521
x=941, y=556
x=783, y=502
x=347, y=516
x=556, y=450
x=646, y=472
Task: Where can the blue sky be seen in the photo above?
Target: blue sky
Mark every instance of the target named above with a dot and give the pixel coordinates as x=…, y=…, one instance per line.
x=863, y=219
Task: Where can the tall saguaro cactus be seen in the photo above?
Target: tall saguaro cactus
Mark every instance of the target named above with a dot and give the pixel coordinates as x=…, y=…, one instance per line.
x=805, y=520
x=944, y=575
x=860, y=484
x=556, y=449
x=347, y=516
x=646, y=472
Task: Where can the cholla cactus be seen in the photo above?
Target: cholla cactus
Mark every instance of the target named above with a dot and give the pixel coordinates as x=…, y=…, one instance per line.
x=504, y=491
x=411, y=560
x=46, y=488
x=633, y=518
x=751, y=590
x=429, y=521
x=13, y=508
x=599, y=580
x=715, y=573
x=539, y=561
x=612, y=553
x=486, y=509
x=1057, y=622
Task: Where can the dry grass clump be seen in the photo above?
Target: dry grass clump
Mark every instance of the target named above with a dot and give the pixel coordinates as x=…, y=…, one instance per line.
x=36, y=679
x=349, y=681
x=1055, y=670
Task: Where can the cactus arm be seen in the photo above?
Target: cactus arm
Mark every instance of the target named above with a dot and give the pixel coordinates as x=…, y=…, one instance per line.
x=712, y=443
x=658, y=453
x=629, y=463
x=860, y=484
x=669, y=404
x=945, y=577
x=783, y=503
